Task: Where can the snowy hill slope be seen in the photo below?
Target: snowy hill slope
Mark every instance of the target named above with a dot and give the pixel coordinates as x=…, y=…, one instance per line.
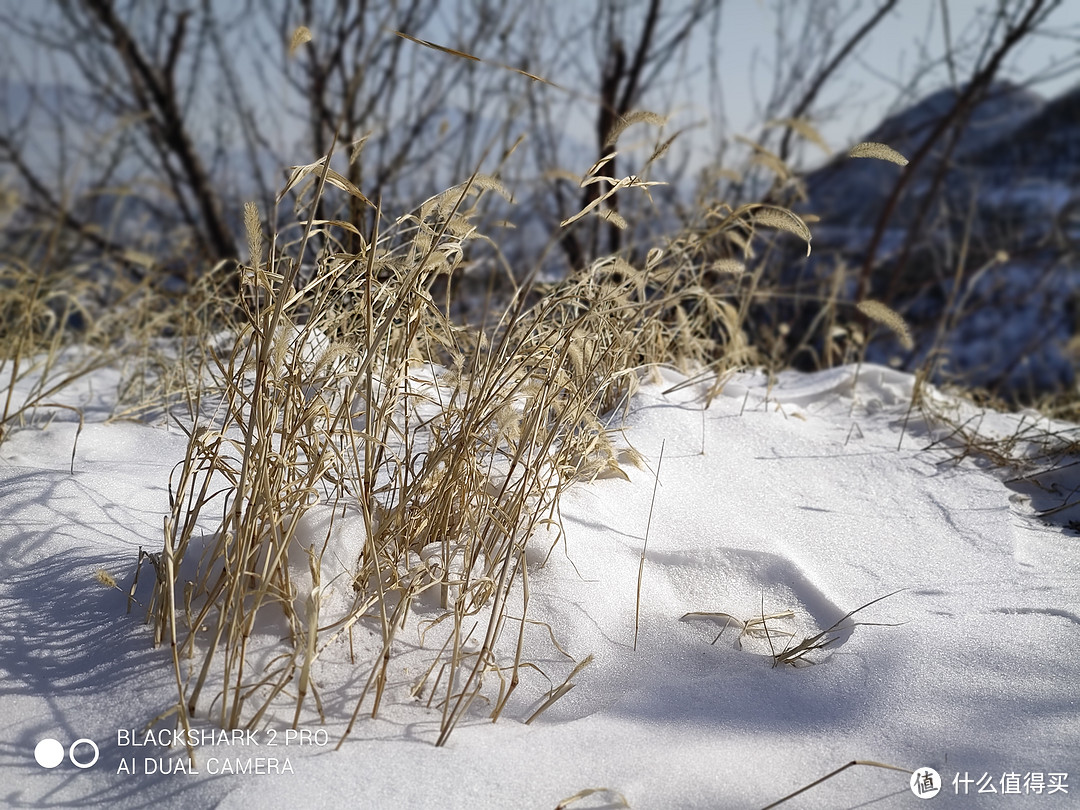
x=797, y=501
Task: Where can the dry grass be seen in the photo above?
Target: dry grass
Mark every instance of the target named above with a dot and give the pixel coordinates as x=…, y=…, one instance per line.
x=444, y=448
x=802, y=653
x=337, y=385
x=36, y=304
x=805, y=651
x=64, y=315
x=831, y=774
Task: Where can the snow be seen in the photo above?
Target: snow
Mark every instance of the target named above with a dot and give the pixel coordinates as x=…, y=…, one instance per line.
x=814, y=494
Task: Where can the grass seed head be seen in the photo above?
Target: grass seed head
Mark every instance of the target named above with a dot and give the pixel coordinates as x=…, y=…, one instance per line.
x=878, y=151
x=105, y=578
x=888, y=317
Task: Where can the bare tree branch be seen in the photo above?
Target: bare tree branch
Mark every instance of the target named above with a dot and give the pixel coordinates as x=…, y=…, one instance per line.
x=955, y=120
x=157, y=98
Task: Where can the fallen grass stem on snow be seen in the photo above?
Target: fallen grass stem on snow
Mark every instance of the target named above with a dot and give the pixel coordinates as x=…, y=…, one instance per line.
x=831, y=774
x=645, y=546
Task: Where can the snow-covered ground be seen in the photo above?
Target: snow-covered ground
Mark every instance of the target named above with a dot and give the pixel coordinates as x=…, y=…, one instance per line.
x=798, y=497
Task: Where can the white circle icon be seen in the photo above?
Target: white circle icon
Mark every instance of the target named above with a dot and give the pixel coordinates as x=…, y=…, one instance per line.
x=78, y=763
x=925, y=783
x=49, y=753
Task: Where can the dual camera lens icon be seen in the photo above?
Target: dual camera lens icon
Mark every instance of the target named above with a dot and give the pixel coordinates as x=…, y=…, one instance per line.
x=49, y=753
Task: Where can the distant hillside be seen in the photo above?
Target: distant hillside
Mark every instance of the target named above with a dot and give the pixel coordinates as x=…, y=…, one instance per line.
x=1011, y=188
x=851, y=193
x=1046, y=145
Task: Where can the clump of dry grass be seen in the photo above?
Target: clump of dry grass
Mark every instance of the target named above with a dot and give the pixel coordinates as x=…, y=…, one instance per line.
x=65, y=314
x=805, y=651
x=350, y=390
x=802, y=653
x=344, y=386
x=38, y=301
